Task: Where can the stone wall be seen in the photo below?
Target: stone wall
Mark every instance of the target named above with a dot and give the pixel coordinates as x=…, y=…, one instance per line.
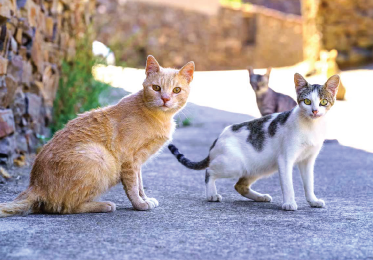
x=35, y=36
x=232, y=39
x=279, y=40
x=344, y=25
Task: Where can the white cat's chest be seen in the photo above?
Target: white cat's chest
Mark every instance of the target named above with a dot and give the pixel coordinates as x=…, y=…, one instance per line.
x=311, y=139
x=313, y=133
x=309, y=142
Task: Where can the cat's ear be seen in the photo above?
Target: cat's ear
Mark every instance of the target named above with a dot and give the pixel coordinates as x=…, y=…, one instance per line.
x=332, y=84
x=152, y=65
x=251, y=70
x=268, y=71
x=187, y=71
x=299, y=81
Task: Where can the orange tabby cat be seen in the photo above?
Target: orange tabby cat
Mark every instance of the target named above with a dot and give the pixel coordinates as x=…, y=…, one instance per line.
x=102, y=147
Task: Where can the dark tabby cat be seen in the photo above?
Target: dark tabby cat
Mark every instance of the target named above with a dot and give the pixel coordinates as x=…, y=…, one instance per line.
x=268, y=100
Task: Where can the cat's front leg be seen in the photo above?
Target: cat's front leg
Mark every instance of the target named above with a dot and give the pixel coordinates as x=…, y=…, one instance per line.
x=286, y=179
x=306, y=170
x=142, y=192
x=131, y=184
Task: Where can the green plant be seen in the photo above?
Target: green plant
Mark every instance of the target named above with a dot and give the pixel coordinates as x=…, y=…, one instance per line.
x=78, y=91
x=187, y=122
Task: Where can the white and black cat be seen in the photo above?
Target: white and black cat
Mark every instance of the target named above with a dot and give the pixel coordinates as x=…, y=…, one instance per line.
x=268, y=100
x=255, y=149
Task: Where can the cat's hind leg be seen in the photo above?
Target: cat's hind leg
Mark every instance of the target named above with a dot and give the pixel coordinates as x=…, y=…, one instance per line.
x=211, y=192
x=95, y=207
x=243, y=187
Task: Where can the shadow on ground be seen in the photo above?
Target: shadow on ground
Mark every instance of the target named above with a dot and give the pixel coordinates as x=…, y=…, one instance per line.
x=185, y=226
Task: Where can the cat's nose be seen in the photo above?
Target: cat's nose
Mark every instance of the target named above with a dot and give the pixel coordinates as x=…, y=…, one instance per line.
x=165, y=98
x=315, y=112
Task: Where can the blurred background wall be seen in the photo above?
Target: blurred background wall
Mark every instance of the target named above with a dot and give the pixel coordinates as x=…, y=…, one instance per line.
x=232, y=35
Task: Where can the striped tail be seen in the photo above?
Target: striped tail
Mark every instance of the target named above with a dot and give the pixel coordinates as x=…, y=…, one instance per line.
x=188, y=163
x=22, y=205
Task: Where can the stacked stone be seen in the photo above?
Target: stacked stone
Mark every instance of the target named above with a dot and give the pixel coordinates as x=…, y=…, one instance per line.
x=35, y=36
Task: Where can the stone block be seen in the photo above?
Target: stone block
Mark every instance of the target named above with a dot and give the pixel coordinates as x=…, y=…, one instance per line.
x=50, y=84
x=7, y=150
x=19, y=107
x=15, y=67
x=26, y=73
x=7, y=126
x=8, y=87
x=34, y=104
x=3, y=65
x=32, y=141
x=19, y=35
x=49, y=27
x=33, y=11
x=7, y=9
x=21, y=143
x=37, y=53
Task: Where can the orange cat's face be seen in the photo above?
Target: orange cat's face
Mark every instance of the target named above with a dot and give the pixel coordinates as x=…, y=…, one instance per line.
x=166, y=89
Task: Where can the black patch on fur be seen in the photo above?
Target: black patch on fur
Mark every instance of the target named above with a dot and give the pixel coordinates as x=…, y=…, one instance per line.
x=188, y=163
x=213, y=144
x=207, y=177
x=257, y=134
x=280, y=119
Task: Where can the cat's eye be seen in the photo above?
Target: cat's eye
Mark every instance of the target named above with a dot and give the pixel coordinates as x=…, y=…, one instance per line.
x=176, y=90
x=156, y=88
x=307, y=101
x=323, y=102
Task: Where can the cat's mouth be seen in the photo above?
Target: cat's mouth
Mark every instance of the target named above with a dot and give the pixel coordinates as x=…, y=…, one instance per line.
x=165, y=107
x=315, y=116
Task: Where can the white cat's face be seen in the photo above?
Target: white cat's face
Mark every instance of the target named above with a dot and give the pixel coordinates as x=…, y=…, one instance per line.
x=315, y=100
x=313, y=105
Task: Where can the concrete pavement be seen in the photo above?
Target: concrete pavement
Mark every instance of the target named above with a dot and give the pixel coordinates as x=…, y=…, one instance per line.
x=186, y=226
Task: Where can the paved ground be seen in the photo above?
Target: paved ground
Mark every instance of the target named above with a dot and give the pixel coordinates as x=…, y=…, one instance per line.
x=185, y=226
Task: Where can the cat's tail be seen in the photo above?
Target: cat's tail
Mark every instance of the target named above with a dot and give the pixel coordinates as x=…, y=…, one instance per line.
x=188, y=163
x=22, y=205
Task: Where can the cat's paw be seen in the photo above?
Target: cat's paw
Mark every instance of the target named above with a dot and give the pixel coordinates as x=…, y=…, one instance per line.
x=215, y=198
x=152, y=203
x=290, y=206
x=109, y=207
x=264, y=198
x=317, y=203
